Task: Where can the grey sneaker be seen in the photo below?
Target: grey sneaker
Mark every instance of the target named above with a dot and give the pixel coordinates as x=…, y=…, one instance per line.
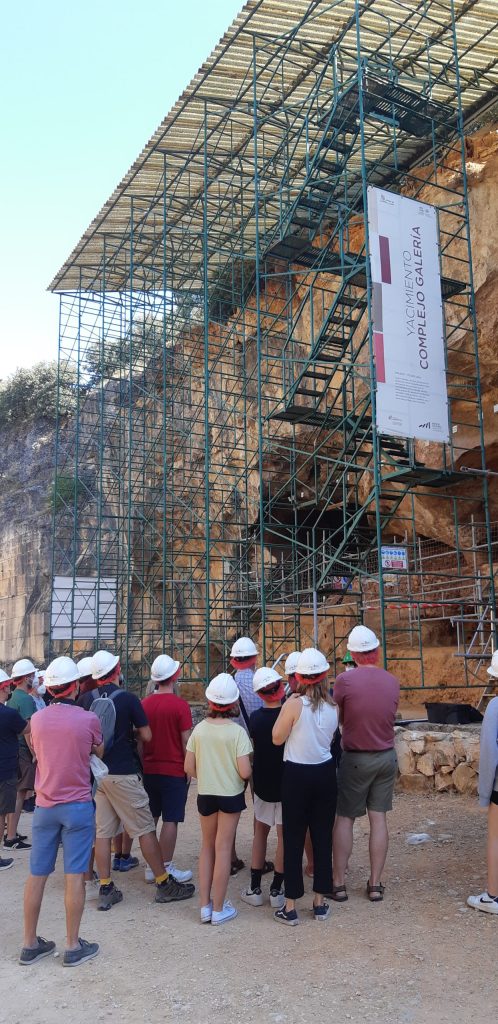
x=171, y=891
x=75, y=957
x=6, y=863
x=30, y=956
x=108, y=896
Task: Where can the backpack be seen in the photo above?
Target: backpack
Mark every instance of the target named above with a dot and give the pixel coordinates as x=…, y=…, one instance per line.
x=105, y=709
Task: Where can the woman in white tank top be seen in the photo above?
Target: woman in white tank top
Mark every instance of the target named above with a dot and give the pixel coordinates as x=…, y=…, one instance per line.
x=306, y=725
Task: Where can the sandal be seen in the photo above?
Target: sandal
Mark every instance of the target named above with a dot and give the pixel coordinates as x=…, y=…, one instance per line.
x=339, y=893
x=268, y=866
x=237, y=865
x=375, y=893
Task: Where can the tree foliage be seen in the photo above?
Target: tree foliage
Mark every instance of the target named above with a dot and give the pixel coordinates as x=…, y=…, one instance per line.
x=30, y=394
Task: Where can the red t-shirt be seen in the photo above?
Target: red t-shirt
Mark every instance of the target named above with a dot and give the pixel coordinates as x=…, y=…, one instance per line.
x=367, y=698
x=168, y=717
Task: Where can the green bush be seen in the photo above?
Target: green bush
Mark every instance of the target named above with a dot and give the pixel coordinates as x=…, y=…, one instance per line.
x=31, y=394
x=63, y=492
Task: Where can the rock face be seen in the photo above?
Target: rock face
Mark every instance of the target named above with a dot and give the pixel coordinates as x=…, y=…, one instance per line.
x=26, y=465
x=441, y=758
x=26, y=474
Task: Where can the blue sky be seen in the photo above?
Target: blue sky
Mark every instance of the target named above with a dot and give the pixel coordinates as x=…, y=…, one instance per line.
x=84, y=83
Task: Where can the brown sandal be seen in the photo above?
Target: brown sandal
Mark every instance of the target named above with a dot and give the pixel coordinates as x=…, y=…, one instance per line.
x=375, y=893
x=339, y=893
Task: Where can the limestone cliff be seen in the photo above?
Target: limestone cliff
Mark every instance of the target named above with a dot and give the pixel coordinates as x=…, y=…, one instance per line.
x=26, y=492
x=26, y=464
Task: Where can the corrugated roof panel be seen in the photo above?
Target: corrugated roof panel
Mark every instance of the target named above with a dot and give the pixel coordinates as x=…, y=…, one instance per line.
x=287, y=72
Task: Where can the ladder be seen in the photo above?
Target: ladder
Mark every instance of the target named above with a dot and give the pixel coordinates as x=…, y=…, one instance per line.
x=475, y=658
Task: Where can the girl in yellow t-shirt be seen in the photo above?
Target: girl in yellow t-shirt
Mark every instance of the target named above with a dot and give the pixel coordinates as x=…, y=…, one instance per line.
x=218, y=756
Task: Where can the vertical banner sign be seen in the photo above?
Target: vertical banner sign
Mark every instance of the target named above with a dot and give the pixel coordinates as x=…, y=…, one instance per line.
x=412, y=397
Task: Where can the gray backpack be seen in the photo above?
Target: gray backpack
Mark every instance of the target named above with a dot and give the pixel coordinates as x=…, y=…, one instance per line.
x=105, y=709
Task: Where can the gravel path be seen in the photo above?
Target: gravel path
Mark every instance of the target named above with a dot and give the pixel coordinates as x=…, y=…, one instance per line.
x=421, y=957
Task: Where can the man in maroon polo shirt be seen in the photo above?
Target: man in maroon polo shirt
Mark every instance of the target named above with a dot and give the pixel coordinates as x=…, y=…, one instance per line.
x=367, y=697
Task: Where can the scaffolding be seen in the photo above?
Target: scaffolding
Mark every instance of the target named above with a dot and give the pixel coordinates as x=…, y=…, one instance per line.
x=223, y=471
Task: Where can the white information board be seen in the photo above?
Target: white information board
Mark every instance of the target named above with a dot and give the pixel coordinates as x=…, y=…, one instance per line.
x=83, y=608
x=394, y=558
x=412, y=397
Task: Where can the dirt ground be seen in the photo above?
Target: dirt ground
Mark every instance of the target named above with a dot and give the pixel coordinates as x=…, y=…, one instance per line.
x=421, y=957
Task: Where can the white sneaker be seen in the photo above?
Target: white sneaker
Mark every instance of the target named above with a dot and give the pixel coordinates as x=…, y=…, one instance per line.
x=207, y=913
x=221, y=916
x=91, y=890
x=483, y=902
x=179, y=876
x=149, y=875
x=277, y=900
x=252, y=896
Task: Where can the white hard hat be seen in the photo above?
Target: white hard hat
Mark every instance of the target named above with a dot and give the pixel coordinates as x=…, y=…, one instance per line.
x=291, y=662
x=493, y=668
x=103, y=662
x=4, y=678
x=264, y=677
x=61, y=672
x=222, y=689
x=163, y=668
x=311, y=662
x=244, y=647
x=23, y=667
x=85, y=666
x=362, y=639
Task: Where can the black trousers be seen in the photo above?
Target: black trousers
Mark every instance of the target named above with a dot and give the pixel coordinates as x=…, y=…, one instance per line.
x=309, y=796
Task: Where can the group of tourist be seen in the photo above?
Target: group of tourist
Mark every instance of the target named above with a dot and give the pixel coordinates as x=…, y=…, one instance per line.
x=106, y=767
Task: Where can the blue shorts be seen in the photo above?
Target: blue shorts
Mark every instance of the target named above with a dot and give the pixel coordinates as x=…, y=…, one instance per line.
x=73, y=826
x=167, y=796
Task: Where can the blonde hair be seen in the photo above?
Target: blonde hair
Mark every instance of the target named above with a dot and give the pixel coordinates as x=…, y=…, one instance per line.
x=316, y=693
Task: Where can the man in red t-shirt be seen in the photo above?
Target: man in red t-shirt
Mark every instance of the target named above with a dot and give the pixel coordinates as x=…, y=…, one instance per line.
x=163, y=757
x=367, y=697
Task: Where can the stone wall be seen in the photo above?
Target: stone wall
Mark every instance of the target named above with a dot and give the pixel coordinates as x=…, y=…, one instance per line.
x=441, y=758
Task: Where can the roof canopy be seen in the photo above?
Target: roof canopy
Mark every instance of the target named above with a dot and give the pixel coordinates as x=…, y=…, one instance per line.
x=273, y=52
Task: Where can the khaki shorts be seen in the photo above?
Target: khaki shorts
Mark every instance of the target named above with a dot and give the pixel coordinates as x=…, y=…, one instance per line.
x=365, y=781
x=122, y=799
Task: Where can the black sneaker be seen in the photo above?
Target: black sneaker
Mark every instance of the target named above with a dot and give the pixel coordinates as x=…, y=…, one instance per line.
x=30, y=956
x=6, y=863
x=286, y=916
x=171, y=891
x=108, y=896
x=75, y=957
x=16, y=844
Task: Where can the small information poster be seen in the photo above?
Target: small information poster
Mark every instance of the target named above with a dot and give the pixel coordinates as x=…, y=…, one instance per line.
x=394, y=559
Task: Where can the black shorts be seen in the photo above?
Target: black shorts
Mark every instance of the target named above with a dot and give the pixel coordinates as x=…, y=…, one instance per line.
x=8, y=794
x=207, y=805
x=494, y=797
x=167, y=796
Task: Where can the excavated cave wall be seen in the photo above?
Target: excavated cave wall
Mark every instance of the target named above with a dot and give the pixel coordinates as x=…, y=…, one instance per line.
x=26, y=462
